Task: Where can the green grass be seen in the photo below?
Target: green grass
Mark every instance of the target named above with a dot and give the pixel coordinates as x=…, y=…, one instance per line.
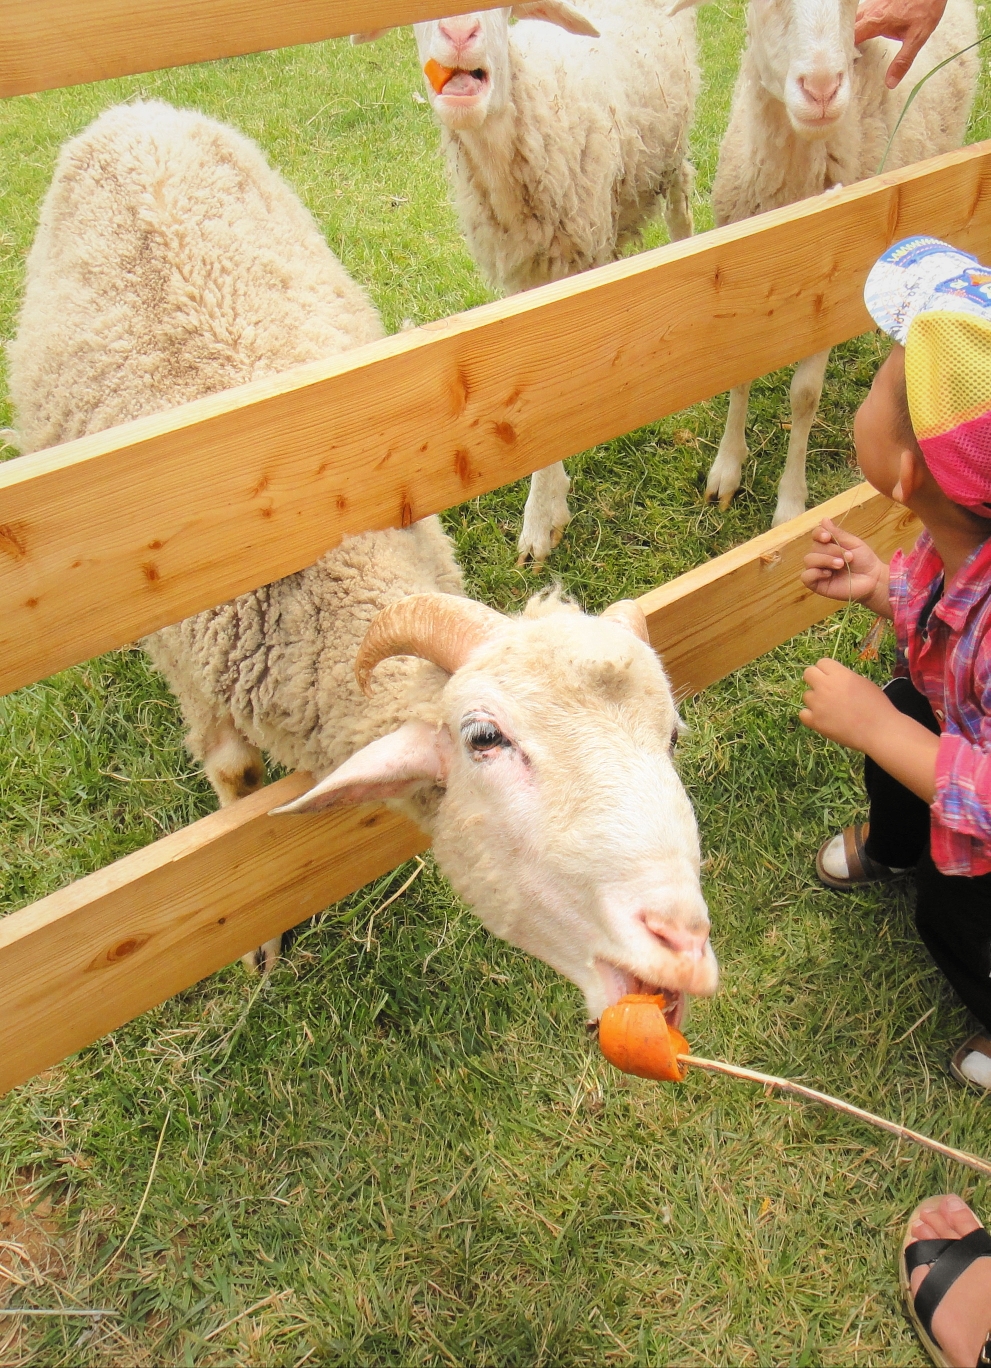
x=406, y=1131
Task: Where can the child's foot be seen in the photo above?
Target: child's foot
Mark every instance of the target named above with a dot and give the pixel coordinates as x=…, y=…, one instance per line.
x=954, y=1326
x=844, y=862
x=972, y=1062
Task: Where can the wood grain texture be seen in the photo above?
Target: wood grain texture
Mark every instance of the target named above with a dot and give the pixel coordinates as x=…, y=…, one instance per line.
x=81, y=962
x=711, y=620
x=49, y=43
x=114, y=535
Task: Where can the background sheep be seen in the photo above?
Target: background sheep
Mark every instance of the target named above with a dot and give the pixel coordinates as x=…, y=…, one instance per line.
x=172, y=261
x=560, y=142
x=811, y=112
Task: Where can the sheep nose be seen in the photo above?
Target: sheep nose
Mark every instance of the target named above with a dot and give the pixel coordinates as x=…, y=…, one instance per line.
x=689, y=940
x=821, y=88
x=460, y=33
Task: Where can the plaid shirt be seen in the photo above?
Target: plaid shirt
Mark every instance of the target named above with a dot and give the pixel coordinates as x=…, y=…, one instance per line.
x=948, y=658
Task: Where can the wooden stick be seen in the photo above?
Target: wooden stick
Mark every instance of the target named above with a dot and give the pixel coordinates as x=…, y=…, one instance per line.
x=848, y=1109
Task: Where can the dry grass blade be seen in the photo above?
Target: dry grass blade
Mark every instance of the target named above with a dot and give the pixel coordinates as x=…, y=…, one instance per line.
x=98, y=1313
x=141, y=1206
x=249, y=1311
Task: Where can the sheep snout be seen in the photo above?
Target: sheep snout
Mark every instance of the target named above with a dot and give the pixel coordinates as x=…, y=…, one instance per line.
x=817, y=98
x=687, y=939
x=460, y=33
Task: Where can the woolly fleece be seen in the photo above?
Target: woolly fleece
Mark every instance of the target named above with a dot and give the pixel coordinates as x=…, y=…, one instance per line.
x=764, y=163
x=173, y=262
x=595, y=132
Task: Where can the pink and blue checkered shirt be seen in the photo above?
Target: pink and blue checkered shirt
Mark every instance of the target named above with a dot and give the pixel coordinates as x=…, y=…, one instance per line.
x=949, y=660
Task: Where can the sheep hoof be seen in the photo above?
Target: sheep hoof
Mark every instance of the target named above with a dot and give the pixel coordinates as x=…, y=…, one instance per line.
x=723, y=481
x=786, y=510
x=262, y=960
x=534, y=550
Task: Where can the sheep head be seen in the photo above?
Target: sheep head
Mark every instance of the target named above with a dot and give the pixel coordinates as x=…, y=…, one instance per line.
x=466, y=59
x=804, y=53
x=545, y=775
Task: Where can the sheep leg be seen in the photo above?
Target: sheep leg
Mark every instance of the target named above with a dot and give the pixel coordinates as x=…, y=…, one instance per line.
x=678, y=203
x=546, y=514
x=235, y=768
x=806, y=390
x=727, y=468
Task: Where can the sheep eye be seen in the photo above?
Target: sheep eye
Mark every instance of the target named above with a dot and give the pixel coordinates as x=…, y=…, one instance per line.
x=481, y=735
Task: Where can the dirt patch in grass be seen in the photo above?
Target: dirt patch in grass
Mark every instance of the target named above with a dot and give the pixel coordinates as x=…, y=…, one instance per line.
x=31, y=1256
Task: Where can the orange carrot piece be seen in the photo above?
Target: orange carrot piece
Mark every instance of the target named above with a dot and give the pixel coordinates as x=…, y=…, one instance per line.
x=635, y=1036
x=437, y=75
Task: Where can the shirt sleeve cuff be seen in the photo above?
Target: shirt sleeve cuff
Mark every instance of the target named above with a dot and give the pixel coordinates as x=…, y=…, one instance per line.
x=956, y=804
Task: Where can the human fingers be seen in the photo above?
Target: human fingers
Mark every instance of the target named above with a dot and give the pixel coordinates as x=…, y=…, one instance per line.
x=828, y=666
x=870, y=23
x=805, y=717
x=867, y=29
x=823, y=560
x=874, y=20
x=843, y=539
x=819, y=580
x=812, y=676
x=904, y=57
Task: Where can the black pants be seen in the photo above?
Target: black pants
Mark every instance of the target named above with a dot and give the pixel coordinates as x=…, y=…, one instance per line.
x=953, y=914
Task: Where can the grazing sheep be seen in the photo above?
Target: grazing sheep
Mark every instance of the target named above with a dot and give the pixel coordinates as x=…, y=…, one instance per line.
x=811, y=112
x=559, y=146
x=172, y=262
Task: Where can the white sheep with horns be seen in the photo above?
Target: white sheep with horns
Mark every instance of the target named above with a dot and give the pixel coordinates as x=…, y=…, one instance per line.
x=561, y=139
x=811, y=112
x=171, y=262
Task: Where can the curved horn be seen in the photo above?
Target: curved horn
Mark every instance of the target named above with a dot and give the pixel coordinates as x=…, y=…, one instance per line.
x=629, y=614
x=442, y=628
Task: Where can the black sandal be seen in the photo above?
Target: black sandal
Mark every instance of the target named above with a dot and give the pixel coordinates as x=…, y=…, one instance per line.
x=947, y=1260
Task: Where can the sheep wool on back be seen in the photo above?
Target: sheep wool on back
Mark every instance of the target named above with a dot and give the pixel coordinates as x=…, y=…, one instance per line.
x=173, y=262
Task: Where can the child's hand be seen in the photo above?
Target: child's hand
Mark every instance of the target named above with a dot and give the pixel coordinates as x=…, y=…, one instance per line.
x=844, y=567
x=842, y=705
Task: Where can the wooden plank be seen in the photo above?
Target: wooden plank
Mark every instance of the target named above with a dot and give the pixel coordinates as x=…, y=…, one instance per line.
x=110, y=946
x=117, y=534
x=712, y=620
x=123, y=940
x=49, y=43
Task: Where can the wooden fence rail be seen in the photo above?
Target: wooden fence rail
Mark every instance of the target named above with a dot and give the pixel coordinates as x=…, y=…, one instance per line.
x=49, y=43
x=185, y=509
x=122, y=940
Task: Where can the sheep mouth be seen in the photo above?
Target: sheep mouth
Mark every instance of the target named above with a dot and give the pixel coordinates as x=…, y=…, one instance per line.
x=464, y=87
x=622, y=983
x=813, y=123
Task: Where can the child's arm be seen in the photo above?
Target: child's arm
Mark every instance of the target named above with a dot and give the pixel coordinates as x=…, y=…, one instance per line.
x=843, y=567
x=846, y=707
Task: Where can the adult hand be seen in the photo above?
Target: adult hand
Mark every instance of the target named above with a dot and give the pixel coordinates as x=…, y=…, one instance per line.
x=844, y=706
x=910, y=21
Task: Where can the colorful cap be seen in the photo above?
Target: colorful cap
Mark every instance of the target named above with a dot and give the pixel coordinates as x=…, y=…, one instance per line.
x=936, y=301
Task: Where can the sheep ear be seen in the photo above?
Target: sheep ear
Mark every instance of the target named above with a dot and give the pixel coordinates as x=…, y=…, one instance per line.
x=557, y=12
x=390, y=767
x=369, y=36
